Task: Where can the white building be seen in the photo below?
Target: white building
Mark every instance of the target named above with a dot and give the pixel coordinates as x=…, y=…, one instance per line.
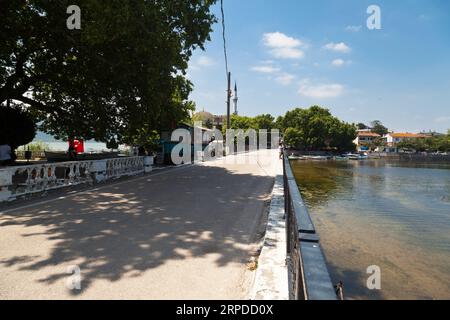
x=393, y=139
x=364, y=139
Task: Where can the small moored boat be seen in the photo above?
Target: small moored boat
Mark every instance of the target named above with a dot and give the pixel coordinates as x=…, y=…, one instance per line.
x=355, y=156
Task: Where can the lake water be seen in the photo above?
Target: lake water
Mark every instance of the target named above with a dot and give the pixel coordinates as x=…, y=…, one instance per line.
x=89, y=146
x=392, y=215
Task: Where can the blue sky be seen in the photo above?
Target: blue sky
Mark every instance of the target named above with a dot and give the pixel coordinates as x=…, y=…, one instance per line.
x=297, y=53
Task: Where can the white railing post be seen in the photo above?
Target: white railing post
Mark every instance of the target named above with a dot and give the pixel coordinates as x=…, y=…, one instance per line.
x=148, y=164
x=98, y=170
x=25, y=180
x=5, y=183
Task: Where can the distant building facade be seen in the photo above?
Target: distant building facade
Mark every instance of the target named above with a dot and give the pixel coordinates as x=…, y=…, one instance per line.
x=393, y=139
x=365, y=139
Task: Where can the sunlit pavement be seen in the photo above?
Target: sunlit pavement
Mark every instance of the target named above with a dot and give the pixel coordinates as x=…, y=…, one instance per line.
x=187, y=233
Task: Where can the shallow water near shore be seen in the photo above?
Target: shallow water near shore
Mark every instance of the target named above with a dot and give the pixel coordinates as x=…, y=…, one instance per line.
x=392, y=215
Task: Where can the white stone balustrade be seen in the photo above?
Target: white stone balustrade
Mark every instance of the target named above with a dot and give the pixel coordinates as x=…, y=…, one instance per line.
x=24, y=180
x=119, y=167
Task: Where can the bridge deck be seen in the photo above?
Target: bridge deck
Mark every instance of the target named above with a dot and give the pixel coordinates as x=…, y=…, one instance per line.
x=184, y=233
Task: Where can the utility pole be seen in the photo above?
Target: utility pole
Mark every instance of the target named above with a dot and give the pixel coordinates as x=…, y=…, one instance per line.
x=228, y=101
x=235, y=99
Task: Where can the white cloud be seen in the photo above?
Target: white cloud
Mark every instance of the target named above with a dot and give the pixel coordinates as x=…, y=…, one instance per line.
x=282, y=46
x=202, y=62
x=285, y=79
x=320, y=91
x=353, y=28
x=280, y=40
x=340, y=62
x=265, y=69
x=205, y=61
x=287, y=53
x=338, y=47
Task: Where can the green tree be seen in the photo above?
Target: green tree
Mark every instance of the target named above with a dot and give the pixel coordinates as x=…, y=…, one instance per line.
x=439, y=143
x=264, y=121
x=317, y=129
x=377, y=142
x=240, y=122
x=419, y=145
x=293, y=138
x=122, y=72
x=379, y=128
x=279, y=123
x=362, y=126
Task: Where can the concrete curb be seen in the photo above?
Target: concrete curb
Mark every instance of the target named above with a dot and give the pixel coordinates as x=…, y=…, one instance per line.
x=271, y=280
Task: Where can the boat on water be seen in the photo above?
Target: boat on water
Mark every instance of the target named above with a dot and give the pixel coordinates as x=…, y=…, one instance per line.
x=357, y=156
x=313, y=158
x=341, y=158
x=61, y=156
x=317, y=158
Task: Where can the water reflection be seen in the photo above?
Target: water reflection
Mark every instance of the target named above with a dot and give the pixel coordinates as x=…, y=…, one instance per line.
x=394, y=215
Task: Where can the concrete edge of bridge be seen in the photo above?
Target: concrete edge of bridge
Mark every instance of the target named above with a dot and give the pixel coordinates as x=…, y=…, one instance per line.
x=271, y=279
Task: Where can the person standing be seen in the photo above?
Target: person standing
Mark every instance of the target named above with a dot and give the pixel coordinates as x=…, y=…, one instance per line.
x=5, y=154
x=280, y=149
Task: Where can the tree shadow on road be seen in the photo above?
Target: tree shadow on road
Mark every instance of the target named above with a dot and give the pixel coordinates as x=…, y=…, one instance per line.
x=126, y=229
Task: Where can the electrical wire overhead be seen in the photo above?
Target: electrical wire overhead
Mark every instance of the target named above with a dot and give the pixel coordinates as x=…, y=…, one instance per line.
x=224, y=37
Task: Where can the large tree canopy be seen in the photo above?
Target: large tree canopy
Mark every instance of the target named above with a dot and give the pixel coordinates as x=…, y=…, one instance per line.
x=316, y=129
x=121, y=73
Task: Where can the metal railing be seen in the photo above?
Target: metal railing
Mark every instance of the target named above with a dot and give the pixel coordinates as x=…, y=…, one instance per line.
x=308, y=274
x=34, y=155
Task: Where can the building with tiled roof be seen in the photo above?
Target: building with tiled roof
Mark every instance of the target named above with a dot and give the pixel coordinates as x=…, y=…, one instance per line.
x=365, y=138
x=395, y=138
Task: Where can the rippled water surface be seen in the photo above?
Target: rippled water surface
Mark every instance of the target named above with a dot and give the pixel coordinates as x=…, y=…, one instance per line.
x=392, y=215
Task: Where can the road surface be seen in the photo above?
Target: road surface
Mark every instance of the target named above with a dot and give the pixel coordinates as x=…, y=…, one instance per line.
x=185, y=233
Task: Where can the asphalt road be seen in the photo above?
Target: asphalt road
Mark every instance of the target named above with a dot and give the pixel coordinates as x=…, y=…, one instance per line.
x=187, y=233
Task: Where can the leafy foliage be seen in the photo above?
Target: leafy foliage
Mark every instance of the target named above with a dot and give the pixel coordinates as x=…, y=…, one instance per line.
x=379, y=128
x=430, y=144
x=264, y=121
x=121, y=73
x=260, y=122
x=292, y=137
x=362, y=126
x=316, y=129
